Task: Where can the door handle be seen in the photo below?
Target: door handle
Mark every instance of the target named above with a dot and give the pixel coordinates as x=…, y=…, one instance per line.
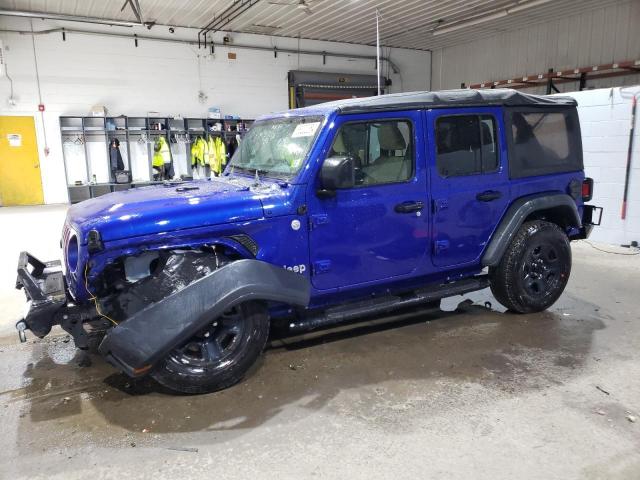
x=409, y=207
x=489, y=196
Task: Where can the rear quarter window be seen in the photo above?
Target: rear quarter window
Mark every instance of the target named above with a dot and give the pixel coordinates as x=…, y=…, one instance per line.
x=543, y=141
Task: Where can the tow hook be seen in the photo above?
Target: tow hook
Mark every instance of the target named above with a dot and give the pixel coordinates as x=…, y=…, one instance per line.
x=22, y=328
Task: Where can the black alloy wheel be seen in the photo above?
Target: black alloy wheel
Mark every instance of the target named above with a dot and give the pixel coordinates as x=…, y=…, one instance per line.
x=535, y=268
x=220, y=354
x=541, y=270
x=212, y=346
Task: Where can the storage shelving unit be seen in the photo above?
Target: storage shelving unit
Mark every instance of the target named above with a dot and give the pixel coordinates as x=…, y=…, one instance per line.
x=86, y=140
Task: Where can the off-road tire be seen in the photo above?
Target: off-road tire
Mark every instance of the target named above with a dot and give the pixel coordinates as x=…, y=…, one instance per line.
x=201, y=377
x=534, y=270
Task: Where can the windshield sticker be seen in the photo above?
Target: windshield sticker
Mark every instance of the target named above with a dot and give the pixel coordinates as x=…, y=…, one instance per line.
x=305, y=130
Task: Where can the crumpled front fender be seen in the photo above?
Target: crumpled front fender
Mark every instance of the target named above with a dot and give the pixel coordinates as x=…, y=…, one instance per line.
x=139, y=342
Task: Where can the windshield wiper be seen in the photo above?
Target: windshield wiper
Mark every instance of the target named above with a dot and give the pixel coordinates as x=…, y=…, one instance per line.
x=238, y=167
x=258, y=172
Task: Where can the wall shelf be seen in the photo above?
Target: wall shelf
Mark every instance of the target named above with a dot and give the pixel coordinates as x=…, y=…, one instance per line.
x=86, y=140
x=552, y=77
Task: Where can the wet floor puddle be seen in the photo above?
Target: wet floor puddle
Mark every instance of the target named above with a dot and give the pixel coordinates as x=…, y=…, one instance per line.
x=378, y=364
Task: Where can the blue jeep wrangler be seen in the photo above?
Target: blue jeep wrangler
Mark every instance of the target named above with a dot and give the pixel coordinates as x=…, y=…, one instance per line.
x=324, y=214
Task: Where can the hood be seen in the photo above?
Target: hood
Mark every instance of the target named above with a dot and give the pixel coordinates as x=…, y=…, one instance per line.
x=168, y=207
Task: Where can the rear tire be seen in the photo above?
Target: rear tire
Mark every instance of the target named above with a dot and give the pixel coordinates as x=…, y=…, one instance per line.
x=220, y=355
x=534, y=270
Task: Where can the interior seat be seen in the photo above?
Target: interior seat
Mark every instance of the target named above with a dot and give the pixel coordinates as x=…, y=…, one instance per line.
x=388, y=167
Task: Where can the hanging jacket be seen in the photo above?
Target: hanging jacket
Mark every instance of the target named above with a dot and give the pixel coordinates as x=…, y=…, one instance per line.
x=231, y=147
x=218, y=156
x=162, y=153
x=199, y=152
x=115, y=157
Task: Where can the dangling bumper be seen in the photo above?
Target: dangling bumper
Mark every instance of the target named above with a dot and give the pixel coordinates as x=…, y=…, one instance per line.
x=45, y=288
x=48, y=301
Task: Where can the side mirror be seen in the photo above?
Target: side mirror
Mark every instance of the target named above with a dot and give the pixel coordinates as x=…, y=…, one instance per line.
x=336, y=173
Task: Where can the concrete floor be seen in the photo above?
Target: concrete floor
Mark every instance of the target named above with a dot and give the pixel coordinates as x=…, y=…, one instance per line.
x=470, y=393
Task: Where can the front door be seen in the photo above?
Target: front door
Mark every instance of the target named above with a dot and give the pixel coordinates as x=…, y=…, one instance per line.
x=20, y=180
x=469, y=181
x=379, y=228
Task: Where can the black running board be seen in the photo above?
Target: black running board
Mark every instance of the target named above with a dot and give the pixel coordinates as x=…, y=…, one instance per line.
x=387, y=304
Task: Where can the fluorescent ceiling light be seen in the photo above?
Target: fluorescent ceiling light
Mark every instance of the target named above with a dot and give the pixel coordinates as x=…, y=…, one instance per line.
x=469, y=23
x=67, y=18
x=524, y=6
x=518, y=7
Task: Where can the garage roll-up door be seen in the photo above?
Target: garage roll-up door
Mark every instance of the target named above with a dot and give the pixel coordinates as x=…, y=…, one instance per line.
x=311, y=88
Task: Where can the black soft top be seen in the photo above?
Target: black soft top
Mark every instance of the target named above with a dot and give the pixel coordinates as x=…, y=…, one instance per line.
x=449, y=98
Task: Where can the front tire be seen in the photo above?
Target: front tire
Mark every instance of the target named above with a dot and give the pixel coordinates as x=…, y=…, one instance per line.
x=220, y=355
x=534, y=270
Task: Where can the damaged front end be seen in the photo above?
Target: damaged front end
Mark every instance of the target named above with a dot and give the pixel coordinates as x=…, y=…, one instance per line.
x=49, y=303
x=151, y=303
x=125, y=286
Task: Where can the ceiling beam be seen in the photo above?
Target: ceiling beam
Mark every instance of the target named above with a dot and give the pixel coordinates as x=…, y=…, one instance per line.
x=134, y=8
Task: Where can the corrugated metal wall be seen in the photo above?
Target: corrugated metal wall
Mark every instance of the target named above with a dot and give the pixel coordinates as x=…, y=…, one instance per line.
x=604, y=35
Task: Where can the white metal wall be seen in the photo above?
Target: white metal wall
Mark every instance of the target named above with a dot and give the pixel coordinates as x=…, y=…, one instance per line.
x=605, y=35
x=162, y=77
x=605, y=120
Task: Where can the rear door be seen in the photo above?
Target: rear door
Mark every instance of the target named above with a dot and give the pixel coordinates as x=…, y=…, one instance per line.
x=469, y=181
x=378, y=229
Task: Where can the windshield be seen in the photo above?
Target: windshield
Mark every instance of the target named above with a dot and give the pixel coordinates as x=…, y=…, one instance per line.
x=276, y=147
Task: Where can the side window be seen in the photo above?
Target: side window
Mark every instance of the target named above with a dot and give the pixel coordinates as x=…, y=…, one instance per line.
x=544, y=142
x=383, y=151
x=466, y=145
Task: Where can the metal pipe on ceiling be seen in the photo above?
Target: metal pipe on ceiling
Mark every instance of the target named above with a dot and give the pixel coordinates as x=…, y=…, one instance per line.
x=67, y=18
x=236, y=9
x=393, y=66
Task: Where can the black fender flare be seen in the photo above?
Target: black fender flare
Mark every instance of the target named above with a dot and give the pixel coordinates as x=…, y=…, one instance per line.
x=516, y=215
x=137, y=344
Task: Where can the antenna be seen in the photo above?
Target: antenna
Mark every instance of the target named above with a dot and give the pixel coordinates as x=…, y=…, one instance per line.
x=378, y=49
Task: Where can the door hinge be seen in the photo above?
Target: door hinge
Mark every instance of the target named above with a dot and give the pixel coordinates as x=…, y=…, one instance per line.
x=440, y=246
x=321, y=266
x=318, y=219
x=440, y=204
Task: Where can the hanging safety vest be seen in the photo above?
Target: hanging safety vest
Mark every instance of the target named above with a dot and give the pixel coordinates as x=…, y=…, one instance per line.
x=199, y=152
x=162, y=154
x=218, y=157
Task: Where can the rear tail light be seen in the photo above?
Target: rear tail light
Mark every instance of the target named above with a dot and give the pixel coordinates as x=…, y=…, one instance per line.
x=587, y=189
